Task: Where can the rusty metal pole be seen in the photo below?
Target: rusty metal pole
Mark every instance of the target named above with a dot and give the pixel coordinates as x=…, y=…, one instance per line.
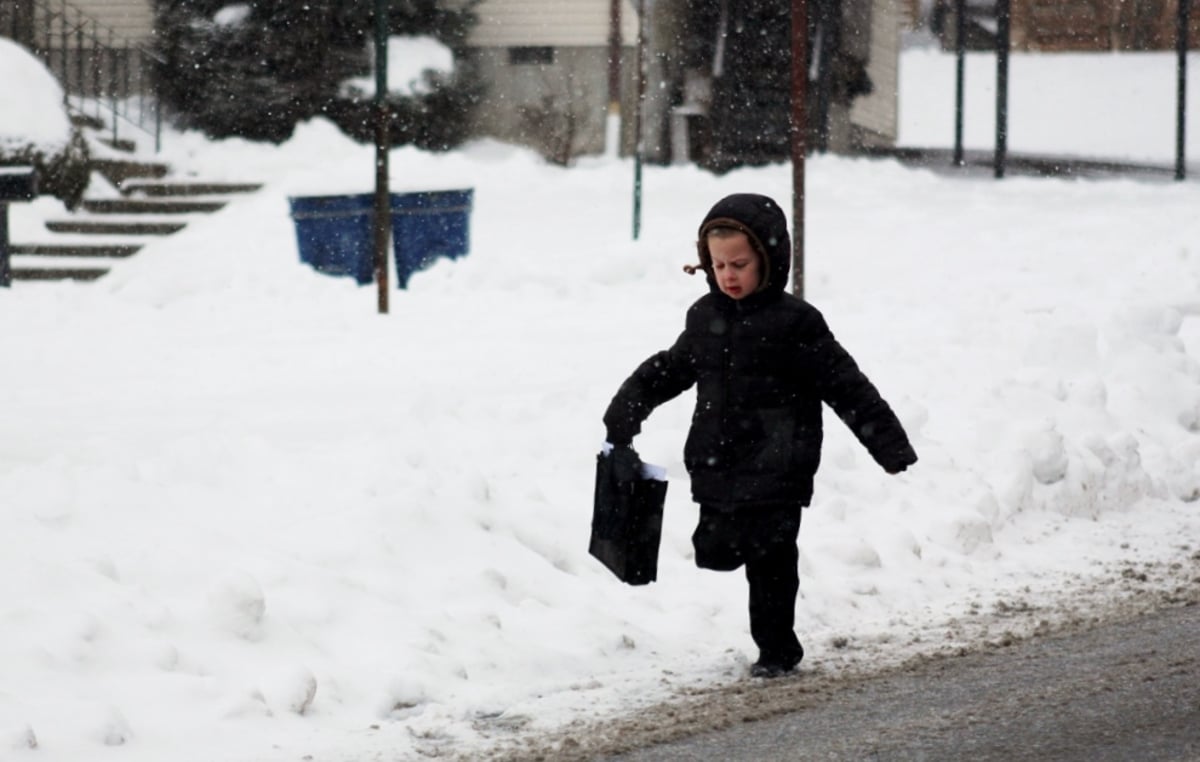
x=1181, y=44
x=383, y=216
x=637, y=120
x=799, y=137
x=614, y=54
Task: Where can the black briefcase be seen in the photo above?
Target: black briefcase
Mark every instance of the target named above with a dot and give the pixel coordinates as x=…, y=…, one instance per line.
x=627, y=524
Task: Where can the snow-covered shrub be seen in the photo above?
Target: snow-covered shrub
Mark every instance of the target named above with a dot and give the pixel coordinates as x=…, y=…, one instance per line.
x=256, y=70
x=429, y=98
x=35, y=129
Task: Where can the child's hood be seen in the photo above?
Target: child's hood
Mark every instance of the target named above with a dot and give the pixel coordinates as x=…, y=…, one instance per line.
x=764, y=224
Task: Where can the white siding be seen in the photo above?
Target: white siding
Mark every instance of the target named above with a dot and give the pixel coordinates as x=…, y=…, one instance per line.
x=503, y=23
x=581, y=23
x=877, y=112
x=130, y=20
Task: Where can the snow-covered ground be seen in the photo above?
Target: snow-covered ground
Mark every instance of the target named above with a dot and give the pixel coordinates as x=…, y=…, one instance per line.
x=247, y=518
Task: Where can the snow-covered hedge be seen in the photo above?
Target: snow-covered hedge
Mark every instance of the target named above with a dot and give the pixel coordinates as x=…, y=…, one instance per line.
x=35, y=128
x=428, y=101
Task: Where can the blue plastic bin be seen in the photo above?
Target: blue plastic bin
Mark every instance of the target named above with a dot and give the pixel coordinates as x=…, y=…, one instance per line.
x=427, y=225
x=335, y=233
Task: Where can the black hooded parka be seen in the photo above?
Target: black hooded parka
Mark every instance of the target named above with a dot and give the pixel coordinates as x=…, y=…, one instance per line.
x=762, y=366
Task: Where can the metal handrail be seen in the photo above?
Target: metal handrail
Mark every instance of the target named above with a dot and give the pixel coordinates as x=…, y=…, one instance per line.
x=100, y=76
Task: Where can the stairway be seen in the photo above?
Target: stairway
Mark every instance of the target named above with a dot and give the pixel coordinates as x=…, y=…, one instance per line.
x=86, y=244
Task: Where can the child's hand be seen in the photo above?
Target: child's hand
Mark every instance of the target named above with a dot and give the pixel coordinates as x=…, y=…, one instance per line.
x=902, y=463
x=626, y=464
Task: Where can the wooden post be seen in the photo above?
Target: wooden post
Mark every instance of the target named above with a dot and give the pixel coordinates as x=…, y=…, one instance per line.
x=799, y=137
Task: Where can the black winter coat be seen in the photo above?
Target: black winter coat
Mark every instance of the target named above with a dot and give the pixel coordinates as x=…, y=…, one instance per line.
x=762, y=366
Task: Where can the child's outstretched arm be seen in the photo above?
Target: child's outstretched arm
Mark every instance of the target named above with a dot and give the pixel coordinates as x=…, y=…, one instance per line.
x=858, y=403
x=662, y=377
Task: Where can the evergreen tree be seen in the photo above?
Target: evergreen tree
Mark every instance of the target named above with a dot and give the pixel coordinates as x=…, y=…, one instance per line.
x=256, y=69
x=429, y=17
x=439, y=118
x=747, y=45
x=751, y=94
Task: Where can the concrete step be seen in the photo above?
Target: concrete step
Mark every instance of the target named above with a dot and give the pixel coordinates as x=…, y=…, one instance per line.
x=148, y=206
x=120, y=171
x=74, y=257
x=160, y=188
x=105, y=251
x=119, y=144
x=57, y=273
x=114, y=227
x=86, y=120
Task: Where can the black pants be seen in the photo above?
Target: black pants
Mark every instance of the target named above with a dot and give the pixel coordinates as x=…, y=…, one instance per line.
x=763, y=539
x=774, y=584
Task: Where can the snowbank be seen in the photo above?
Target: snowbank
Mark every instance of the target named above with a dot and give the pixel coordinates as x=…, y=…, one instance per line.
x=247, y=518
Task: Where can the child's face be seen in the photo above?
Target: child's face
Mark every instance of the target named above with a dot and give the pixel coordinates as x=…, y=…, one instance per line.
x=736, y=265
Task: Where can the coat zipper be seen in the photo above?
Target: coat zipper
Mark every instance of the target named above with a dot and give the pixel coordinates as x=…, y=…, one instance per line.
x=726, y=380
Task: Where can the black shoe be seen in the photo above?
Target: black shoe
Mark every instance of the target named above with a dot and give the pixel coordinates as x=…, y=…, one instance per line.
x=770, y=669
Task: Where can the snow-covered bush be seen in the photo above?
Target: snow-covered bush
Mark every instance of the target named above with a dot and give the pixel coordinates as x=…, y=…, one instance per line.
x=428, y=102
x=35, y=129
x=256, y=70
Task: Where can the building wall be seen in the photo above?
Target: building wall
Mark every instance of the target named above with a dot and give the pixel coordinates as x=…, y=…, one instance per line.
x=1074, y=25
x=668, y=107
x=102, y=39
x=130, y=20
x=875, y=117
x=503, y=23
x=569, y=23
x=123, y=22
x=559, y=108
x=1059, y=25
x=873, y=32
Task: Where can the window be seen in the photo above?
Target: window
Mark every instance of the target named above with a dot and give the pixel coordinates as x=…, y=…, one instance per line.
x=530, y=56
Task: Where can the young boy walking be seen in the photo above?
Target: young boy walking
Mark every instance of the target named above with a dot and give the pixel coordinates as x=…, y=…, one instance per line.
x=762, y=362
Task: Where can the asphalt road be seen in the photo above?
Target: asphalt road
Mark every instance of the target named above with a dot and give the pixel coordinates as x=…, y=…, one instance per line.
x=1127, y=690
